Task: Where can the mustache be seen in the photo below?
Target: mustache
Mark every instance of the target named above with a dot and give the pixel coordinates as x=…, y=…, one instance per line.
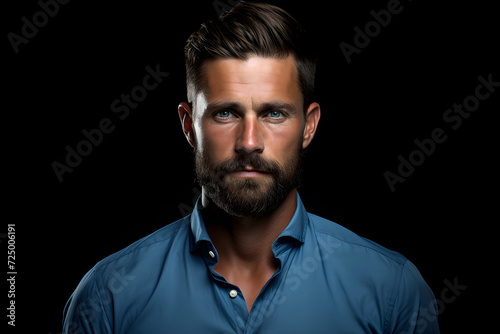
x=247, y=161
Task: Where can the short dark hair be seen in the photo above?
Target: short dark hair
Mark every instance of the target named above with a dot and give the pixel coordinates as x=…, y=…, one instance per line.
x=250, y=29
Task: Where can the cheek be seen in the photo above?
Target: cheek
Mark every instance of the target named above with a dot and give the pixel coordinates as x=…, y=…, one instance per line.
x=284, y=141
x=217, y=141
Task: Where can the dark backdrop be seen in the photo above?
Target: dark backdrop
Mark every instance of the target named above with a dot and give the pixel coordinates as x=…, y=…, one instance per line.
x=396, y=89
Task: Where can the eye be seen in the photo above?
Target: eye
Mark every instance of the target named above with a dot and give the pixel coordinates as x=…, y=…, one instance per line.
x=275, y=114
x=224, y=114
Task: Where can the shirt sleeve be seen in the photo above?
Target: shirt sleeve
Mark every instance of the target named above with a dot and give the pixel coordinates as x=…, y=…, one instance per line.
x=415, y=308
x=88, y=309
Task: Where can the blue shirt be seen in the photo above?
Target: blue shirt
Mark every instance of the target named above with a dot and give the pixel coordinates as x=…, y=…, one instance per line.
x=329, y=280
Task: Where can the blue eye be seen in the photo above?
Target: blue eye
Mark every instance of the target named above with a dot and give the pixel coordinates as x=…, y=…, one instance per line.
x=275, y=114
x=224, y=114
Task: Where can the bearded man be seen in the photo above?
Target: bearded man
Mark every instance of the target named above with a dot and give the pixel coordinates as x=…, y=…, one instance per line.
x=250, y=258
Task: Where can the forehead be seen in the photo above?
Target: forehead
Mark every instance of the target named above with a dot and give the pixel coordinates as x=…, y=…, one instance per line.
x=255, y=78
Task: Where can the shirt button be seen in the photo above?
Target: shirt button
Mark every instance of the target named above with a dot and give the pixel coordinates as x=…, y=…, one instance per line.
x=212, y=254
x=233, y=293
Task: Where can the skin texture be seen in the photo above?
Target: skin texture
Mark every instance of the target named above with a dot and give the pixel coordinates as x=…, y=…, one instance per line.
x=251, y=106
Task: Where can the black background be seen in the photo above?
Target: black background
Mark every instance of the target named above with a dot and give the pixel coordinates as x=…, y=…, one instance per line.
x=140, y=177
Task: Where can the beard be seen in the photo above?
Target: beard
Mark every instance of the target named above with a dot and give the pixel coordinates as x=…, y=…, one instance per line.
x=248, y=197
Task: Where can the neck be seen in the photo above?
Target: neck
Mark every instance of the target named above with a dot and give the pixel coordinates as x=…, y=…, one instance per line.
x=246, y=241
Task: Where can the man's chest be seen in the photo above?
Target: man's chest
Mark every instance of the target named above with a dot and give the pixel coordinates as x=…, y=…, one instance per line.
x=289, y=303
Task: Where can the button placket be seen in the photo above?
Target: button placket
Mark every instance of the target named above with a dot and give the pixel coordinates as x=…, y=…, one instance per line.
x=235, y=299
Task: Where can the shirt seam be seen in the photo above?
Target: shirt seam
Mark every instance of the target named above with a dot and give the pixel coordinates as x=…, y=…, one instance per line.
x=100, y=302
x=401, y=263
x=392, y=301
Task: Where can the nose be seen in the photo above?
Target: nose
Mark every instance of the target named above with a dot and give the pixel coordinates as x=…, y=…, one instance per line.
x=249, y=137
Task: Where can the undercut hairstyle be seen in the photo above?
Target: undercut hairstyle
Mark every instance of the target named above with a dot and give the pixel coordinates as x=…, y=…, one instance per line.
x=250, y=29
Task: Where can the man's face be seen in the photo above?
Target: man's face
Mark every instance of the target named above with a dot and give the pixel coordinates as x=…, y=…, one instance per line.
x=248, y=133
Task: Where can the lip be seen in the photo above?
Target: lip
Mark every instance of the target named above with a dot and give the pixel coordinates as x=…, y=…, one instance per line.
x=248, y=173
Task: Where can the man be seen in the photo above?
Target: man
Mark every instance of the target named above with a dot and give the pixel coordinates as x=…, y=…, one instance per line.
x=250, y=259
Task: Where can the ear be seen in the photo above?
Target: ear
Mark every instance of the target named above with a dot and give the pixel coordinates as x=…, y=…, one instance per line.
x=313, y=115
x=186, y=118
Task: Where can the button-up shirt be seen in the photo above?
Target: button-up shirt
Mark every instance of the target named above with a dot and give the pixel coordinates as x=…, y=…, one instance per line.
x=329, y=280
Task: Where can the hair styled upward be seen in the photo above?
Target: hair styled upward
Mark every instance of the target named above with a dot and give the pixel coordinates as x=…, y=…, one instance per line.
x=250, y=29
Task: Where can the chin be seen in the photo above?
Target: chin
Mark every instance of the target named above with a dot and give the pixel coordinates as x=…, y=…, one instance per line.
x=249, y=197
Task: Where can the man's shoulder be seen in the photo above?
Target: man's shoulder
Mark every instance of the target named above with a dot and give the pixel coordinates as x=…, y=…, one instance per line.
x=334, y=233
x=363, y=267
x=360, y=262
x=145, y=249
x=127, y=277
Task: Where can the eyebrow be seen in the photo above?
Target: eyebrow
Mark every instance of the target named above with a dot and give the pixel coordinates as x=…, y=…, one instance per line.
x=271, y=105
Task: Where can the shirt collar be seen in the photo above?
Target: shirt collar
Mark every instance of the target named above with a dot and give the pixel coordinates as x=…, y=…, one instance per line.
x=199, y=232
x=295, y=229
